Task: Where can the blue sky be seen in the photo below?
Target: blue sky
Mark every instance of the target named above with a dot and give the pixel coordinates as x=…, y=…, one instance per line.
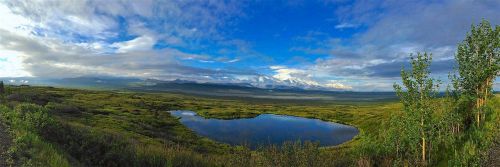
x=337, y=44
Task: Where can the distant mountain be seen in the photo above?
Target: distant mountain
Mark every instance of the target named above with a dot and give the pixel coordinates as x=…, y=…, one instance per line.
x=288, y=93
x=267, y=82
x=25, y=81
x=97, y=82
x=263, y=82
x=83, y=82
x=259, y=88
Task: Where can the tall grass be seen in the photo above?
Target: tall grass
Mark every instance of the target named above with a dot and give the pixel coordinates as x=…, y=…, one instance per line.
x=29, y=149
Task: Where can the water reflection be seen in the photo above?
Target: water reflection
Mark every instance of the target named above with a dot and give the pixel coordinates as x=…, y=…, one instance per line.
x=267, y=129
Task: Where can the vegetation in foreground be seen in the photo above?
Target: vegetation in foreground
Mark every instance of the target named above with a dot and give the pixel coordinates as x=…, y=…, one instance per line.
x=68, y=127
x=100, y=128
x=456, y=130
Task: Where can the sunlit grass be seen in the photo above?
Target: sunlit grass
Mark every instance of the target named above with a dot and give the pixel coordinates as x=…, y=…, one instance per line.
x=103, y=128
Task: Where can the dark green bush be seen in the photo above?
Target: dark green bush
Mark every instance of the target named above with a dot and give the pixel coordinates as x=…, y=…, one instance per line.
x=63, y=108
x=36, y=98
x=91, y=147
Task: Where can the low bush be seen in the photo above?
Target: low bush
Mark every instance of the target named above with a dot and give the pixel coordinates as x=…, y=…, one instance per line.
x=105, y=148
x=29, y=149
x=63, y=108
x=31, y=97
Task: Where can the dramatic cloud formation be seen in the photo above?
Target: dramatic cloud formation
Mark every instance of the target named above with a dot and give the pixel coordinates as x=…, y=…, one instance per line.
x=348, y=45
x=394, y=30
x=75, y=38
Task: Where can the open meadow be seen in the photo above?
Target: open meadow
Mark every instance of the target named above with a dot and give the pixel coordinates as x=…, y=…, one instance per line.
x=99, y=127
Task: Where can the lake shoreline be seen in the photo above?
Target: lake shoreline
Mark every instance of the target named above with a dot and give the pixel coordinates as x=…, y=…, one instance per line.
x=191, y=119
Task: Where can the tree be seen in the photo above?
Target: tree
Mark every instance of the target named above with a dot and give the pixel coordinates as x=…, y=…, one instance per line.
x=417, y=97
x=2, y=89
x=478, y=65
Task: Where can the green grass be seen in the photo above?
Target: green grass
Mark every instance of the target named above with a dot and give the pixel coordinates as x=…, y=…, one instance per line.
x=110, y=128
x=29, y=149
x=100, y=118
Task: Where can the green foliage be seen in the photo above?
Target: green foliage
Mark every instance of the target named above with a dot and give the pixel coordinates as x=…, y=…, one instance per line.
x=292, y=154
x=447, y=123
x=478, y=59
x=32, y=97
x=471, y=147
x=2, y=93
x=63, y=108
x=2, y=88
x=299, y=154
x=98, y=128
x=413, y=131
x=33, y=117
x=29, y=149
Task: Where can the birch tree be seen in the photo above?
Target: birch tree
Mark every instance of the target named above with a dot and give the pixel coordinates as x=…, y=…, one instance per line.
x=417, y=94
x=478, y=65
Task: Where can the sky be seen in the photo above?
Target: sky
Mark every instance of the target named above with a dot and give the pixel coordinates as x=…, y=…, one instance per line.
x=339, y=44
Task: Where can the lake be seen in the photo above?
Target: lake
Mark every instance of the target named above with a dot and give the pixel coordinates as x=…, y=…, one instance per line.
x=267, y=129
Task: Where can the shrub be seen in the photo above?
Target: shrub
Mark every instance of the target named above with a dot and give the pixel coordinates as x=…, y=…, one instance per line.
x=62, y=108
x=28, y=149
x=32, y=117
x=36, y=98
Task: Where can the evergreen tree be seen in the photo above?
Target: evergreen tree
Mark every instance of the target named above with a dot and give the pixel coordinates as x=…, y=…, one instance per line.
x=478, y=62
x=2, y=89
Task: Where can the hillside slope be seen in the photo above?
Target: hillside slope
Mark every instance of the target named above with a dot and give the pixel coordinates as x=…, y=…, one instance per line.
x=5, y=142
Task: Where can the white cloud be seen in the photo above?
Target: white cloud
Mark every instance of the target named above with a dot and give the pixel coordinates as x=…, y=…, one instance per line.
x=74, y=38
x=373, y=58
x=14, y=23
x=233, y=60
x=11, y=64
x=277, y=67
x=141, y=43
x=345, y=25
x=337, y=85
x=283, y=73
x=305, y=78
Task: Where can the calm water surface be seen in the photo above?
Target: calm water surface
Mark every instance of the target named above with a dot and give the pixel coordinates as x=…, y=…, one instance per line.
x=267, y=129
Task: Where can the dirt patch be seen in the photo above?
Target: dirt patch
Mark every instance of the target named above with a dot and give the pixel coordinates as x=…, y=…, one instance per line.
x=5, y=142
x=494, y=154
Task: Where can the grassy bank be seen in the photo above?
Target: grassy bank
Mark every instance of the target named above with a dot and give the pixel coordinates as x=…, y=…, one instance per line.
x=104, y=128
x=70, y=127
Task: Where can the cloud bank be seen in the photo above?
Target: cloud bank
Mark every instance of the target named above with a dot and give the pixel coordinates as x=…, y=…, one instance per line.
x=204, y=41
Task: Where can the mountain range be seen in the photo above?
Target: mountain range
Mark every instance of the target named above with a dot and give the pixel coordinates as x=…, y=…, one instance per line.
x=261, y=88
x=262, y=82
